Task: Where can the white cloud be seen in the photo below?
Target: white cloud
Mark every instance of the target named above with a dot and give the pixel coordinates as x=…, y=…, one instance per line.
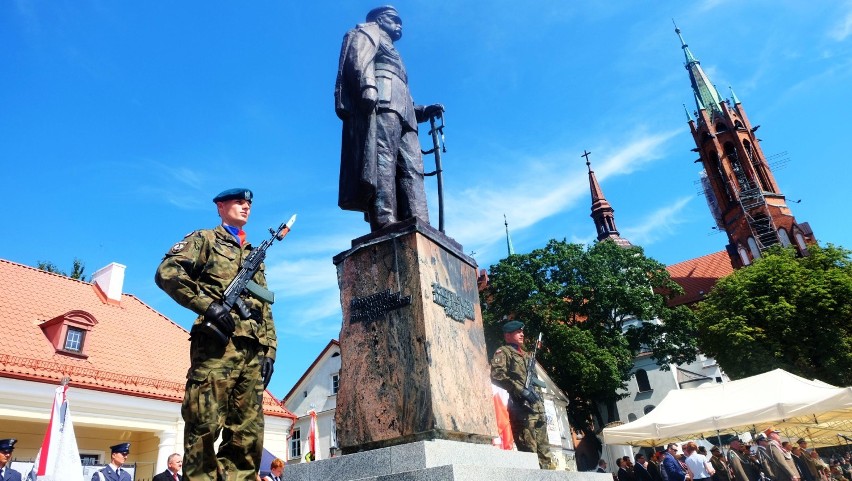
x=658, y=224
x=842, y=29
x=541, y=189
x=307, y=275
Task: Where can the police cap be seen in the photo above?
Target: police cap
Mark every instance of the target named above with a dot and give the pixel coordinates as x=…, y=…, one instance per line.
x=375, y=13
x=512, y=326
x=8, y=444
x=234, y=194
x=120, y=448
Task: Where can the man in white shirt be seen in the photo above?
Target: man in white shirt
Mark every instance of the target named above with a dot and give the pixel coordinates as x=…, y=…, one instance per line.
x=696, y=463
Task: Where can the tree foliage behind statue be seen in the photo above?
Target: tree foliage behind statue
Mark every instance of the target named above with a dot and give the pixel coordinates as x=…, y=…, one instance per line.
x=783, y=311
x=580, y=298
x=77, y=269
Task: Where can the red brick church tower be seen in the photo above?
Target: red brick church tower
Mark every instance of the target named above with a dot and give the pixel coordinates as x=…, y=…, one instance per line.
x=741, y=191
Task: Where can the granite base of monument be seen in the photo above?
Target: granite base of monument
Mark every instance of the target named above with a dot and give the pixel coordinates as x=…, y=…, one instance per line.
x=413, y=358
x=437, y=460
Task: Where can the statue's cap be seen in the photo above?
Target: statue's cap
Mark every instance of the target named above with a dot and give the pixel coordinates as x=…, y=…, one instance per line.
x=513, y=326
x=373, y=14
x=234, y=194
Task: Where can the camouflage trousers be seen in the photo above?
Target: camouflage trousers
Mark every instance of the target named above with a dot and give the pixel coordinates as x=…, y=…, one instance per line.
x=224, y=394
x=531, y=436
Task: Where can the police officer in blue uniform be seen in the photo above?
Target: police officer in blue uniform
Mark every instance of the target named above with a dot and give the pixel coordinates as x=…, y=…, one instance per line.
x=113, y=470
x=6, y=471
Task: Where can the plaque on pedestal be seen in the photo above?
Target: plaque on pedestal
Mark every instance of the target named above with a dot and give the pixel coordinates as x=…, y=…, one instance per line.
x=413, y=356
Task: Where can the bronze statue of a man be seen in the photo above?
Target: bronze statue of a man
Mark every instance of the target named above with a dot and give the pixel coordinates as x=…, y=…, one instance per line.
x=381, y=167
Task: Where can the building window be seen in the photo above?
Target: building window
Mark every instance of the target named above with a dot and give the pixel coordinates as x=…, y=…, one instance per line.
x=800, y=241
x=74, y=339
x=648, y=408
x=90, y=459
x=752, y=245
x=631, y=417
x=744, y=256
x=783, y=237
x=296, y=444
x=335, y=383
x=642, y=380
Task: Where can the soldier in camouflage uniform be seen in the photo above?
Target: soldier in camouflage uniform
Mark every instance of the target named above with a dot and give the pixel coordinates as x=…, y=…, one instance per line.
x=526, y=410
x=231, y=359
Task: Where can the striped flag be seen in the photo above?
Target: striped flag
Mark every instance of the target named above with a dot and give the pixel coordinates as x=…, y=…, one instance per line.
x=505, y=440
x=58, y=459
x=313, y=433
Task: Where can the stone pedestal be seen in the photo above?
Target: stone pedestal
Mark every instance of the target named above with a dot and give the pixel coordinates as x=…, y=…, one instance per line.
x=413, y=359
x=437, y=460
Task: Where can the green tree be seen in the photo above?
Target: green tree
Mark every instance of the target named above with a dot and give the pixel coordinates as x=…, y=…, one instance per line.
x=783, y=311
x=78, y=269
x=580, y=299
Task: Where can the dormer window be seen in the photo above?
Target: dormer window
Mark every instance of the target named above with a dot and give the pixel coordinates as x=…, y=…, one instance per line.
x=68, y=332
x=74, y=339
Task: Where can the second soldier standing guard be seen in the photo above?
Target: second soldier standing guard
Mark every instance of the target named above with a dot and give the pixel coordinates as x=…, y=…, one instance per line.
x=526, y=409
x=231, y=359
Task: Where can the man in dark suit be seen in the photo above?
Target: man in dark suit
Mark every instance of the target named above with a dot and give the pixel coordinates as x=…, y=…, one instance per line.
x=175, y=462
x=640, y=469
x=672, y=468
x=6, y=471
x=113, y=471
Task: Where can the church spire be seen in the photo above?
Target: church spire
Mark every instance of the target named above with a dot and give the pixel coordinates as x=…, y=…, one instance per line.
x=706, y=95
x=602, y=212
x=509, y=247
x=743, y=196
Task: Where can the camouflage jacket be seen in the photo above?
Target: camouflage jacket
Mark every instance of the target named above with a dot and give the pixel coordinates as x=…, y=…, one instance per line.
x=197, y=270
x=509, y=371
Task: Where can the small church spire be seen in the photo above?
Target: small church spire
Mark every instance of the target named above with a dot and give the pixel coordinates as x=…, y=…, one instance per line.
x=509, y=247
x=602, y=213
x=734, y=96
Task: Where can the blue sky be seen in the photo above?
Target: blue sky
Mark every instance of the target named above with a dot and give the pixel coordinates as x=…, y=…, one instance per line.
x=119, y=121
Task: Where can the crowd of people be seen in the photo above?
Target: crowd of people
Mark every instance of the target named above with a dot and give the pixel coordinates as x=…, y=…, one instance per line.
x=766, y=458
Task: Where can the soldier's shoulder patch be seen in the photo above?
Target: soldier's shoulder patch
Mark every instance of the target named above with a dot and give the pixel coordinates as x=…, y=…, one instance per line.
x=178, y=248
x=499, y=356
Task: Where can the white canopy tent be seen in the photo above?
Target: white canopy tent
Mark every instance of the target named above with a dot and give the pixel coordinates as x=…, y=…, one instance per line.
x=796, y=406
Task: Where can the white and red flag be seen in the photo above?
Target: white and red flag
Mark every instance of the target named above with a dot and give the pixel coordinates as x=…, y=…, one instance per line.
x=313, y=434
x=505, y=440
x=58, y=459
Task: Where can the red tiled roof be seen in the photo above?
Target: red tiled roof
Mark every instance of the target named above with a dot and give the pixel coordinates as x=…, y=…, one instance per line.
x=697, y=276
x=132, y=349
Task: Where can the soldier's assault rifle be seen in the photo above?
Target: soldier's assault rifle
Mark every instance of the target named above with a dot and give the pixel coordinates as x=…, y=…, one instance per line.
x=243, y=283
x=528, y=394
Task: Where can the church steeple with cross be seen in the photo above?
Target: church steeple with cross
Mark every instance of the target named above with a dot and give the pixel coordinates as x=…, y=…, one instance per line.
x=741, y=191
x=602, y=212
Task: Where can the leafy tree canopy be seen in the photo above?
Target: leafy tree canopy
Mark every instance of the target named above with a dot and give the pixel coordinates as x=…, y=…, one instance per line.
x=77, y=270
x=580, y=298
x=783, y=311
